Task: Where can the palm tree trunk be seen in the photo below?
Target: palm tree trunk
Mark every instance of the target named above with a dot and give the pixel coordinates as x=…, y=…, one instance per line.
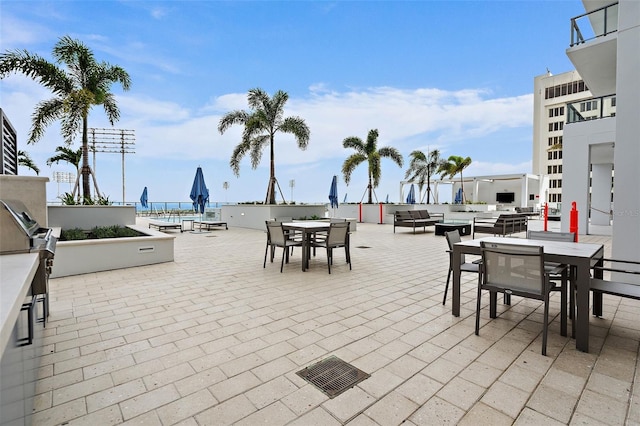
x=462, y=187
x=271, y=190
x=370, y=189
x=86, y=171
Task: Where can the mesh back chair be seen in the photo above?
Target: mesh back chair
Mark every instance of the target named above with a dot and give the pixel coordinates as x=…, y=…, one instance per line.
x=518, y=270
x=563, y=237
x=337, y=237
x=452, y=238
x=276, y=237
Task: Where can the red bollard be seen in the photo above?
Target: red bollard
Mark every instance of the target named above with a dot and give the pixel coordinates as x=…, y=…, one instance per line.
x=360, y=212
x=573, y=220
x=381, y=222
x=546, y=215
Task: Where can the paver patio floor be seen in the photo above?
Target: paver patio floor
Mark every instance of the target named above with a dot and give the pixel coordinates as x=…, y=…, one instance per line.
x=213, y=338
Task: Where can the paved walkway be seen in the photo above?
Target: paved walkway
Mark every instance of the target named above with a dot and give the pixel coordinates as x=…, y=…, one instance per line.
x=213, y=338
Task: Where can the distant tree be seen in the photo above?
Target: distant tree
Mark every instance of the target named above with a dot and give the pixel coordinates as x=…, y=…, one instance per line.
x=80, y=85
x=25, y=160
x=370, y=153
x=452, y=167
x=422, y=167
x=261, y=124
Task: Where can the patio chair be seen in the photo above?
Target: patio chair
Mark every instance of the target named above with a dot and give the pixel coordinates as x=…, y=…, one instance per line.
x=564, y=237
x=337, y=237
x=452, y=238
x=276, y=237
x=519, y=270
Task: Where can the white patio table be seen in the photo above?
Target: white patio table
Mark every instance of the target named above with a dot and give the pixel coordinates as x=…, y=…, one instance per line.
x=307, y=228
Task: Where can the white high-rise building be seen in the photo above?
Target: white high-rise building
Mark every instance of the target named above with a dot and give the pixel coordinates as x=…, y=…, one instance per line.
x=604, y=49
x=551, y=95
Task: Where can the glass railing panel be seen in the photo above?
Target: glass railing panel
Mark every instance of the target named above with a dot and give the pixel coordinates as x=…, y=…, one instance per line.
x=597, y=23
x=591, y=109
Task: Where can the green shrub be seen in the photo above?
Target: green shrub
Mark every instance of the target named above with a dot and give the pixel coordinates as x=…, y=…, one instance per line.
x=99, y=232
x=73, y=234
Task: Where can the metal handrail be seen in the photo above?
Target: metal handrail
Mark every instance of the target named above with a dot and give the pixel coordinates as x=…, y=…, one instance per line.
x=602, y=110
x=608, y=13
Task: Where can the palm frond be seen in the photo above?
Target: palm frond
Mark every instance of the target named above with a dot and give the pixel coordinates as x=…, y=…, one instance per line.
x=46, y=113
x=298, y=128
x=236, y=157
x=25, y=160
x=350, y=165
x=355, y=143
x=392, y=153
x=231, y=118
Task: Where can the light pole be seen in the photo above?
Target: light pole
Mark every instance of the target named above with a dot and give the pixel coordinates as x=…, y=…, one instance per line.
x=225, y=186
x=63, y=177
x=292, y=184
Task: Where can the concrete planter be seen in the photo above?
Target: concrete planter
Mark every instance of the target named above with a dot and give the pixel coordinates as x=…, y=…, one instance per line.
x=87, y=217
x=254, y=215
x=85, y=256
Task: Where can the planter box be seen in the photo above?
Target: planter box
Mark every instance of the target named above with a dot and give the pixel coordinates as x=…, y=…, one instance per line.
x=87, y=217
x=254, y=215
x=86, y=256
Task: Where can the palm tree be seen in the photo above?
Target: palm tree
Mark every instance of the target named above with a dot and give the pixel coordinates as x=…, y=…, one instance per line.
x=261, y=124
x=68, y=155
x=25, y=160
x=452, y=167
x=77, y=87
x=422, y=167
x=370, y=153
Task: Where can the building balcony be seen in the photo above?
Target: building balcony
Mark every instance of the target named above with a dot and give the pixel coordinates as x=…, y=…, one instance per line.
x=593, y=47
x=591, y=109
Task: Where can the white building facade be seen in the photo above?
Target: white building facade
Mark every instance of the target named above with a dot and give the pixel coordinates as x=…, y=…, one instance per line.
x=604, y=48
x=551, y=95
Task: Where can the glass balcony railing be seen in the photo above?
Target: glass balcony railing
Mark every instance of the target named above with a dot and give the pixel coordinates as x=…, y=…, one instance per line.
x=591, y=109
x=594, y=24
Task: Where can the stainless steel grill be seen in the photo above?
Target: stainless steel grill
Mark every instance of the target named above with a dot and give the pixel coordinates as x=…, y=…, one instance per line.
x=20, y=233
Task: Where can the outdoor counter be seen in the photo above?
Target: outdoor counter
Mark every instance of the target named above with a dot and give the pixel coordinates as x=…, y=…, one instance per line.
x=17, y=272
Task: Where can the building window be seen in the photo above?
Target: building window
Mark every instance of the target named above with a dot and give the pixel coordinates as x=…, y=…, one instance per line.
x=559, y=198
x=549, y=155
x=560, y=155
x=555, y=169
x=560, y=168
x=559, y=183
x=548, y=170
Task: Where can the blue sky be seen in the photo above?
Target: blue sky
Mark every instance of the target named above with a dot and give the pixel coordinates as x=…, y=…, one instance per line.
x=450, y=75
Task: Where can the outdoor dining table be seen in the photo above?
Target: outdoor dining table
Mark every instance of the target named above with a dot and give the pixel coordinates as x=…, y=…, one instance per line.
x=308, y=228
x=581, y=256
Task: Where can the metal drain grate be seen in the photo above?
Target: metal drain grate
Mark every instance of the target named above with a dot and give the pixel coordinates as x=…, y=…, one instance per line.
x=333, y=376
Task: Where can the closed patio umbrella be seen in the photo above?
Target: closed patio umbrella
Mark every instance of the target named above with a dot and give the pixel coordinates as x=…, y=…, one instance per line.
x=411, y=198
x=199, y=192
x=144, y=198
x=333, y=193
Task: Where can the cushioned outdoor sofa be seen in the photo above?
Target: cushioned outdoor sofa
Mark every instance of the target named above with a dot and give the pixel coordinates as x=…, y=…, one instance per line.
x=415, y=219
x=505, y=224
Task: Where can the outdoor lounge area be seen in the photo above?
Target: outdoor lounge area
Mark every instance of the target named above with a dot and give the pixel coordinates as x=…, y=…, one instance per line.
x=214, y=338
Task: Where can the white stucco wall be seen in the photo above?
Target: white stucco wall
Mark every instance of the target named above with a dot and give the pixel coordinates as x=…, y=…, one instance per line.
x=626, y=222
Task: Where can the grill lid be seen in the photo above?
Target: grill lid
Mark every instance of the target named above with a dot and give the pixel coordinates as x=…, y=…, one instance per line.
x=21, y=216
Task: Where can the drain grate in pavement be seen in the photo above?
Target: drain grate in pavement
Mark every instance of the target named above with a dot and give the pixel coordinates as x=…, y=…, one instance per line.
x=333, y=376
x=363, y=247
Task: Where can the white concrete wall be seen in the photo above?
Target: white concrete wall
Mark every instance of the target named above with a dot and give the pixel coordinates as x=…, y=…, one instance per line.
x=87, y=217
x=253, y=216
x=578, y=137
x=31, y=190
x=626, y=222
x=86, y=256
